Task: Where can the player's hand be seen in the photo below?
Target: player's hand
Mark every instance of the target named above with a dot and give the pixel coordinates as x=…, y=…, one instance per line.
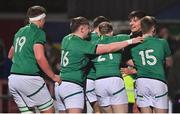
x=137, y=40
x=57, y=79
x=128, y=71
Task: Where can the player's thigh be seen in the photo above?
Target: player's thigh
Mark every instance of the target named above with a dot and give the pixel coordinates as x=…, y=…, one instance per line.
x=72, y=95
x=59, y=102
x=117, y=91
x=143, y=93
x=111, y=91
x=90, y=91
x=33, y=91
x=102, y=93
x=161, y=95
x=17, y=98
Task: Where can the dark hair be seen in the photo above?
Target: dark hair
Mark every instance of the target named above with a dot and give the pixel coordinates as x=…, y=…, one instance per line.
x=99, y=20
x=35, y=11
x=77, y=22
x=147, y=23
x=138, y=13
x=105, y=28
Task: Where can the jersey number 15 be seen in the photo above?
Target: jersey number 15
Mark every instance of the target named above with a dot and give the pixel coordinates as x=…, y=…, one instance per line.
x=146, y=57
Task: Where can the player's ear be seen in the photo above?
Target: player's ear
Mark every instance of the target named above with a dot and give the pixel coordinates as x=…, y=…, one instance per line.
x=111, y=33
x=81, y=29
x=153, y=30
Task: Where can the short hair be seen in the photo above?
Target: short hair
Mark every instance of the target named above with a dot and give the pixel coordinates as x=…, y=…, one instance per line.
x=105, y=28
x=77, y=22
x=137, y=13
x=99, y=20
x=35, y=11
x=147, y=23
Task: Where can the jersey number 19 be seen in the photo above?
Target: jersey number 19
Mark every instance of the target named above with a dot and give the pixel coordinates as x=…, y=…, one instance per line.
x=20, y=41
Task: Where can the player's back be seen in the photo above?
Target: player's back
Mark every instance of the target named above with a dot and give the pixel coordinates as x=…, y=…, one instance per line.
x=24, y=61
x=108, y=64
x=149, y=57
x=73, y=57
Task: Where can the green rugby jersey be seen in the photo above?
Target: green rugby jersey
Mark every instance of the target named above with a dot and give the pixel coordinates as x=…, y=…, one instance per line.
x=94, y=38
x=24, y=61
x=149, y=58
x=108, y=65
x=73, y=58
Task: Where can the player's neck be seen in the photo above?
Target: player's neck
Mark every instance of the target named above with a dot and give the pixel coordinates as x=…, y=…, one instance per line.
x=147, y=35
x=79, y=35
x=35, y=23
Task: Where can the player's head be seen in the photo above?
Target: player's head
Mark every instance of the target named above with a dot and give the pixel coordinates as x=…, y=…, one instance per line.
x=99, y=20
x=81, y=26
x=37, y=14
x=134, y=18
x=106, y=28
x=163, y=32
x=148, y=25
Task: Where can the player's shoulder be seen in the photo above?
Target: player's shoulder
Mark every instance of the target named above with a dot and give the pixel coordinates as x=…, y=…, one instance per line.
x=93, y=34
x=40, y=31
x=160, y=40
x=72, y=38
x=22, y=29
x=67, y=37
x=122, y=35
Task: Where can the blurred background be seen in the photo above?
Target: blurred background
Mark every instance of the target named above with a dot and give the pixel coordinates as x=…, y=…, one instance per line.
x=59, y=12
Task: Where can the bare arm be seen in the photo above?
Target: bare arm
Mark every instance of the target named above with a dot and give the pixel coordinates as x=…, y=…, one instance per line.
x=43, y=63
x=113, y=47
x=169, y=61
x=130, y=63
x=128, y=71
x=11, y=52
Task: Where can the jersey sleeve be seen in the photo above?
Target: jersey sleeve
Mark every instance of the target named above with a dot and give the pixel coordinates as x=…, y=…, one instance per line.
x=40, y=38
x=84, y=46
x=167, y=49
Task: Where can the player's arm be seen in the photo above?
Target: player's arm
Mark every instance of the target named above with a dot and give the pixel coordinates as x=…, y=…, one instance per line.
x=130, y=63
x=113, y=47
x=128, y=71
x=11, y=52
x=169, y=61
x=43, y=63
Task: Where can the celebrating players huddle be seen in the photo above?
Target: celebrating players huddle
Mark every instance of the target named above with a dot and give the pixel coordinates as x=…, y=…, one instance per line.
x=102, y=85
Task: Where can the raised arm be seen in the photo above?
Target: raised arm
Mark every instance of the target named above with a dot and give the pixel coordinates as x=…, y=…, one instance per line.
x=113, y=47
